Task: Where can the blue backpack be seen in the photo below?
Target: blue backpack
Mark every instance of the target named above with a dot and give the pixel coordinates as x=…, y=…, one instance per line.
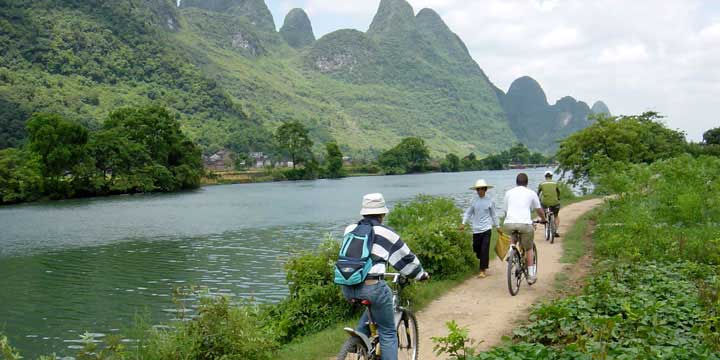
x=354, y=260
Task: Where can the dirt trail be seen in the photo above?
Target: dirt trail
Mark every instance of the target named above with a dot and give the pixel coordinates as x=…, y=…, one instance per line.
x=485, y=306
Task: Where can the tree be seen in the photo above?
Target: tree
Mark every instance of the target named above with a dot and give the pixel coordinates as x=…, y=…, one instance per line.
x=293, y=138
x=409, y=156
x=61, y=145
x=451, y=163
x=470, y=162
x=20, y=176
x=712, y=136
x=334, y=160
x=173, y=162
x=632, y=139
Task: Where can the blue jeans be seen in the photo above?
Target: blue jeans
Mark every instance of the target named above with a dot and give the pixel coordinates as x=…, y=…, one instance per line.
x=381, y=308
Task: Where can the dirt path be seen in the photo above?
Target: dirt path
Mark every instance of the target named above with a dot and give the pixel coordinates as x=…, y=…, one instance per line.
x=485, y=306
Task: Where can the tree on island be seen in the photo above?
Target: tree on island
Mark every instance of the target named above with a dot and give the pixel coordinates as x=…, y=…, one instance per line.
x=294, y=139
x=411, y=155
x=334, y=160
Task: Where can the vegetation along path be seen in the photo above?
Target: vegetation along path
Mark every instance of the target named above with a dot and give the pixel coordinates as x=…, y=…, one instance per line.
x=485, y=306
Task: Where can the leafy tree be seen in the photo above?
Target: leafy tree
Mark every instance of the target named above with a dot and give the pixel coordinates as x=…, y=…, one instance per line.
x=118, y=159
x=712, y=136
x=293, y=138
x=410, y=156
x=163, y=152
x=470, y=162
x=518, y=154
x=20, y=176
x=241, y=161
x=451, y=163
x=61, y=145
x=631, y=139
x=334, y=160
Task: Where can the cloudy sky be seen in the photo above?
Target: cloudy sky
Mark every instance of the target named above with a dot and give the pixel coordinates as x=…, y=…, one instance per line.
x=661, y=55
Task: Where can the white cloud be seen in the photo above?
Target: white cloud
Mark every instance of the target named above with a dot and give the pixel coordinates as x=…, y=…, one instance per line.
x=710, y=33
x=623, y=54
x=561, y=37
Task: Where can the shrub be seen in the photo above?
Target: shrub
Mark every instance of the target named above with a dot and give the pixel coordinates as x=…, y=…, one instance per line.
x=221, y=331
x=315, y=301
x=429, y=226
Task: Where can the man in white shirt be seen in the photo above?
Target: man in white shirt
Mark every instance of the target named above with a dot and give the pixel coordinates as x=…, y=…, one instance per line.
x=519, y=203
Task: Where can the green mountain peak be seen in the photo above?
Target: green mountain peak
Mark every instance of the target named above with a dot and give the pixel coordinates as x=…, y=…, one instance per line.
x=538, y=124
x=297, y=29
x=392, y=16
x=256, y=11
x=526, y=94
x=600, y=107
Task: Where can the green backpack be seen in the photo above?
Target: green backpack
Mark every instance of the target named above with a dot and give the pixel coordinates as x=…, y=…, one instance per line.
x=354, y=260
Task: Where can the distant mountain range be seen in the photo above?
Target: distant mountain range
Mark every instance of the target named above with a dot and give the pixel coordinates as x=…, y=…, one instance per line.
x=231, y=78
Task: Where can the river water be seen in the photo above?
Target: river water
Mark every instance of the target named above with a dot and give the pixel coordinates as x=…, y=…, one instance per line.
x=93, y=265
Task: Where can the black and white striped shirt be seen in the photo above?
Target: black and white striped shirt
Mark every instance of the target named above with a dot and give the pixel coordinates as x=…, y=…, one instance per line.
x=389, y=248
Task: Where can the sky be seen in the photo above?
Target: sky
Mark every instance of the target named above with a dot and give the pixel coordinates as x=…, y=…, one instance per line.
x=639, y=55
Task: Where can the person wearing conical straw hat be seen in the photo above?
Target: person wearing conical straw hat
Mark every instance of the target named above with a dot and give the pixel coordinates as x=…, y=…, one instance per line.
x=483, y=215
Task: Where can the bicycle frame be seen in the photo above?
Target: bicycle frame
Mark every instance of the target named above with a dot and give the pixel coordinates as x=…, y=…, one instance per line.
x=372, y=342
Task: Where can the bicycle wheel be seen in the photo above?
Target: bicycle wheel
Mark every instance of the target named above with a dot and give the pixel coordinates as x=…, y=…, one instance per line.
x=354, y=349
x=514, y=273
x=547, y=231
x=408, y=338
x=550, y=228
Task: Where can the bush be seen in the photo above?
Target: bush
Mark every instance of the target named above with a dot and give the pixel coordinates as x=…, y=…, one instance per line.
x=221, y=331
x=429, y=226
x=315, y=302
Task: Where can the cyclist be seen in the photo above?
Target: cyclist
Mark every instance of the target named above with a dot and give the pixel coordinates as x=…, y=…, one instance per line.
x=519, y=202
x=549, y=194
x=387, y=248
x=484, y=217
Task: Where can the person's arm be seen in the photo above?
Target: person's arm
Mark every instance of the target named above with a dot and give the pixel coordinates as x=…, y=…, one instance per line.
x=538, y=208
x=494, y=217
x=557, y=188
x=539, y=189
x=399, y=255
x=468, y=213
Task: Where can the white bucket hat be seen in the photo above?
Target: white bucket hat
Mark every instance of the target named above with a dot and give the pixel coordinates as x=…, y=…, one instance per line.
x=480, y=184
x=373, y=204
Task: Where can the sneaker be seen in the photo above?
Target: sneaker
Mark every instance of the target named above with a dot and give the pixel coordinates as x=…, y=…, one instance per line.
x=531, y=279
x=482, y=275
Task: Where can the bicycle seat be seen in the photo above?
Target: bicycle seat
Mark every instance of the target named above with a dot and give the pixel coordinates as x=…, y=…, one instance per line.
x=365, y=302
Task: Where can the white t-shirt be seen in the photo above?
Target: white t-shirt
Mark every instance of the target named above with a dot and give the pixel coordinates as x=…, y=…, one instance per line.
x=519, y=202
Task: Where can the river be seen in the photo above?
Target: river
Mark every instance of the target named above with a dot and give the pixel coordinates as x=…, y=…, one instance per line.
x=93, y=265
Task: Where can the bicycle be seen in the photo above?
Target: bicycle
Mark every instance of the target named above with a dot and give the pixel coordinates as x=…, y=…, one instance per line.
x=362, y=347
x=550, y=229
x=517, y=264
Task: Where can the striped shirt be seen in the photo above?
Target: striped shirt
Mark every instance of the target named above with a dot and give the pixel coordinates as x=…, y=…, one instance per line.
x=389, y=248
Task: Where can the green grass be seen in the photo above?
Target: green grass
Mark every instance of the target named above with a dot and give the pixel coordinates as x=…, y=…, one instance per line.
x=573, y=243
x=327, y=343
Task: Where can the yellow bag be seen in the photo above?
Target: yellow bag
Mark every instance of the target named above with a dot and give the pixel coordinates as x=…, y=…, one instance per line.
x=502, y=246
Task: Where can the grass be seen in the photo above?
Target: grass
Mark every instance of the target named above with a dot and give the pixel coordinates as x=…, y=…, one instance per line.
x=574, y=244
x=327, y=343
